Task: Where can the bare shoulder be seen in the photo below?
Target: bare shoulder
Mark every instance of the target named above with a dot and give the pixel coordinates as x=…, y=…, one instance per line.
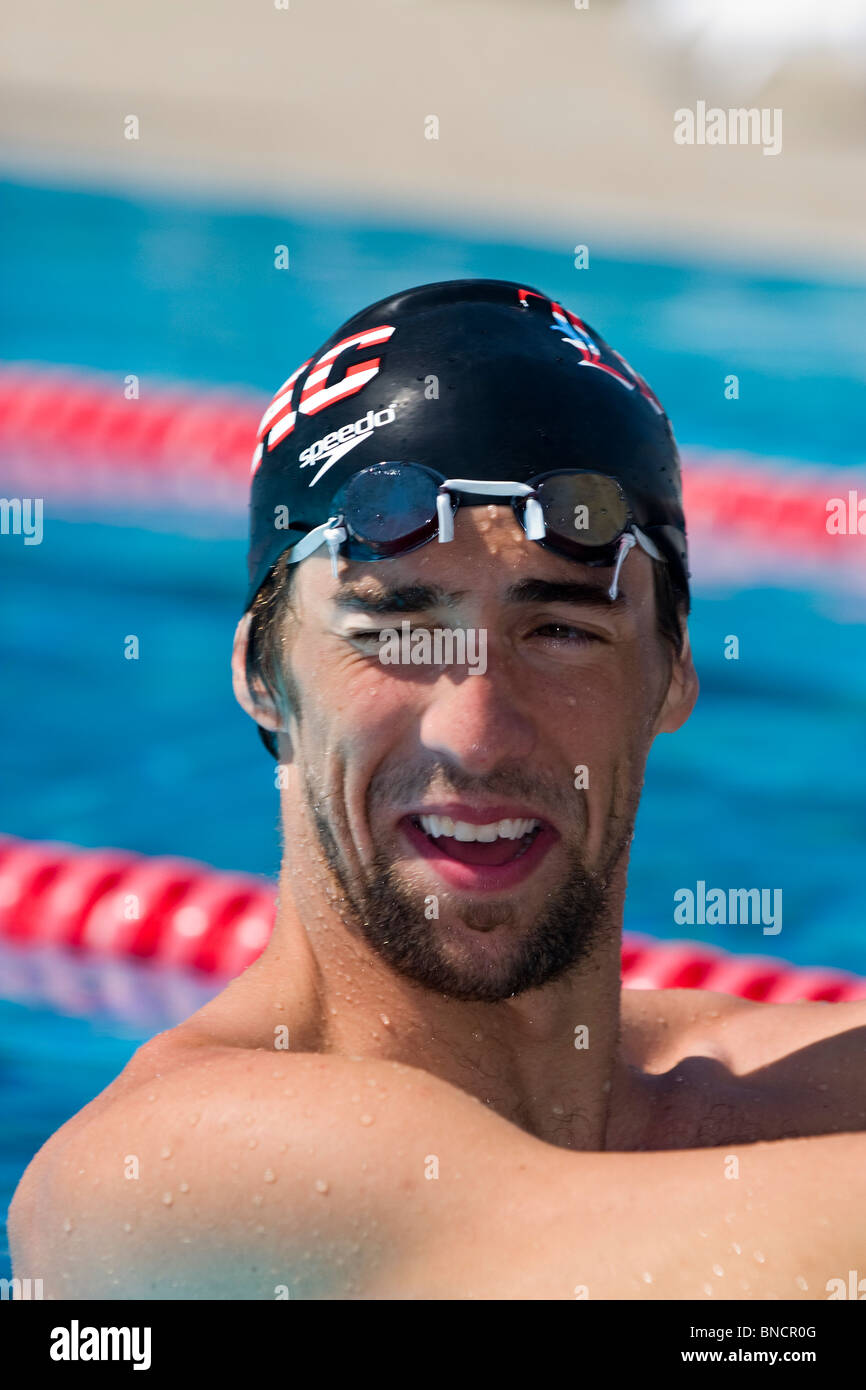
x=213, y=1171
x=660, y=1026
x=202, y=1155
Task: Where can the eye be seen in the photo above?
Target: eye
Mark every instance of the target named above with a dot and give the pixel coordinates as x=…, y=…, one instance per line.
x=566, y=634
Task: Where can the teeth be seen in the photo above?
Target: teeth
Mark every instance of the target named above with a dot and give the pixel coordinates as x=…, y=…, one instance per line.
x=486, y=834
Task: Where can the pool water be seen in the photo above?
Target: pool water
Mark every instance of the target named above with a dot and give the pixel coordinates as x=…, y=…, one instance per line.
x=762, y=788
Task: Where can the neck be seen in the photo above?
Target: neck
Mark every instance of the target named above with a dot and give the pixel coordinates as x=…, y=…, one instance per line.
x=548, y=1060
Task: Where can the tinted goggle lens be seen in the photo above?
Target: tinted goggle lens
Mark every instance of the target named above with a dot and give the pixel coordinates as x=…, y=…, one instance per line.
x=585, y=509
x=389, y=505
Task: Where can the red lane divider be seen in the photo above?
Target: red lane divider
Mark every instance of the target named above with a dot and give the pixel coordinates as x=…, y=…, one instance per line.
x=73, y=430
x=113, y=903
x=177, y=913
x=84, y=416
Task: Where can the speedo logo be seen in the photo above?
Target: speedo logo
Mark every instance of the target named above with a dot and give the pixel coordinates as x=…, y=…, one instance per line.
x=331, y=447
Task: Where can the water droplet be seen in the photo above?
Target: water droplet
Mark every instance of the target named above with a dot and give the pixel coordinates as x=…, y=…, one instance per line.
x=184, y=1187
x=708, y=1289
x=167, y=1199
x=759, y=1257
x=127, y=1227
x=737, y=1249
x=366, y=1119
x=321, y=1185
x=165, y=1152
x=801, y=1283
x=151, y=1096
x=270, y=1175
x=647, y=1277
x=385, y=1020
x=67, y=1224
x=558, y=1109
x=717, y=1269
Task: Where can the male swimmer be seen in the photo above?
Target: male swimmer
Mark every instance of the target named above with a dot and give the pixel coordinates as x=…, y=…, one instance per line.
x=431, y=1084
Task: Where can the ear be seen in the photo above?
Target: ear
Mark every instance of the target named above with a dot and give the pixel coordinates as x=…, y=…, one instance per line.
x=255, y=698
x=682, y=691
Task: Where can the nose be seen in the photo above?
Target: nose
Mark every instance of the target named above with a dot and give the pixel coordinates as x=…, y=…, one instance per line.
x=475, y=720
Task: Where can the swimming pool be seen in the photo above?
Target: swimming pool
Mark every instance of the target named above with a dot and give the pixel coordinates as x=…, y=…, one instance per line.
x=763, y=787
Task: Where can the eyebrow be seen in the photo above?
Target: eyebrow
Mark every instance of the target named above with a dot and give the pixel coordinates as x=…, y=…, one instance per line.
x=419, y=598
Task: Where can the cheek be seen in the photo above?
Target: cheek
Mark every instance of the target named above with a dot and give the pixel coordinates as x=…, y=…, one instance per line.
x=354, y=709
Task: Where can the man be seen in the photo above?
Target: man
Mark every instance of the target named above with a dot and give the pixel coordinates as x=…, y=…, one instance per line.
x=464, y=629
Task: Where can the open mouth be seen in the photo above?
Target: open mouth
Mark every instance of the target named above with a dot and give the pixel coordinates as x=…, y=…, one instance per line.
x=496, y=843
x=479, y=857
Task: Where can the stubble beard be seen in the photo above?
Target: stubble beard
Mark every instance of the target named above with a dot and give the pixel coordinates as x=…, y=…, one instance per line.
x=380, y=907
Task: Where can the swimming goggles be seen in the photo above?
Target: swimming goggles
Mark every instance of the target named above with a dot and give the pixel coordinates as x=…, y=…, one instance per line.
x=389, y=509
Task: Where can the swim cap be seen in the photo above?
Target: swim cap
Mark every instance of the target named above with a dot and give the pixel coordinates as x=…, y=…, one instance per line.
x=485, y=379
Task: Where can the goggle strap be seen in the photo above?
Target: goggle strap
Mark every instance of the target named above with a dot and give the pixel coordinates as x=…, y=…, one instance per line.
x=646, y=544
x=310, y=542
x=335, y=535
x=445, y=513
x=626, y=543
x=533, y=520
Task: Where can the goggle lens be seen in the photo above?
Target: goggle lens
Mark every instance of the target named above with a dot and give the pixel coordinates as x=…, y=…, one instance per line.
x=584, y=509
x=387, y=506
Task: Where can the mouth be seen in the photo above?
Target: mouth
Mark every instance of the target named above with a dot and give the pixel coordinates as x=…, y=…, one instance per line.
x=480, y=850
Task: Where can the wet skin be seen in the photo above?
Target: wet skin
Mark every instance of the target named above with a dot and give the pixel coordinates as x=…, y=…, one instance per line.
x=385, y=1070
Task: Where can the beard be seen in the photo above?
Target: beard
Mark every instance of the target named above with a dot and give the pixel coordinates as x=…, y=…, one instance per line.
x=383, y=909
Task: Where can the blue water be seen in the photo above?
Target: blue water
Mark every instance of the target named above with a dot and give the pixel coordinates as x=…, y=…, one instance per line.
x=762, y=788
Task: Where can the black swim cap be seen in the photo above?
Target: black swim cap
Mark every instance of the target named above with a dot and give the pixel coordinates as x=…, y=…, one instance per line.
x=474, y=378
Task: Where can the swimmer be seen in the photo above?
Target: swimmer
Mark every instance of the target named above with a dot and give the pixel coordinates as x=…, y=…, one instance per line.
x=431, y=1084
